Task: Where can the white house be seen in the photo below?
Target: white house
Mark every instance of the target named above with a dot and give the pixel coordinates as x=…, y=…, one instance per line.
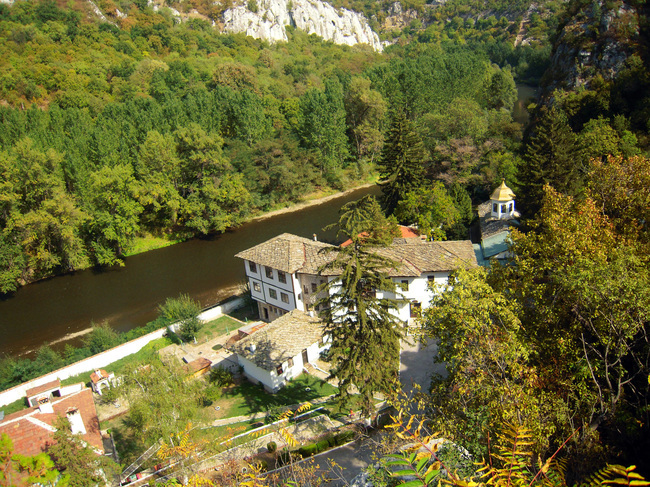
x=280, y=351
x=283, y=272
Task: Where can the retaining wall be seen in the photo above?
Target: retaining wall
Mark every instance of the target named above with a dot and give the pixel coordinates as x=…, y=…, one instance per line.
x=107, y=357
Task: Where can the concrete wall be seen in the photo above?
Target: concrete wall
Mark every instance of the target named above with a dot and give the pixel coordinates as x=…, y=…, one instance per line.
x=102, y=360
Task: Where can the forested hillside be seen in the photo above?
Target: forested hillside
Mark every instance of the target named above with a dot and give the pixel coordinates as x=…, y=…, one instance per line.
x=172, y=129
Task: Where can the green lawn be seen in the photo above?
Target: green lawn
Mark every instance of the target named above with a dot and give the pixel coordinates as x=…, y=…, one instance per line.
x=15, y=406
x=249, y=398
x=220, y=326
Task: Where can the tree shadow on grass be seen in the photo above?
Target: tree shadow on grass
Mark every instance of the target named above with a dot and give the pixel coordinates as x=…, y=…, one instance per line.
x=299, y=390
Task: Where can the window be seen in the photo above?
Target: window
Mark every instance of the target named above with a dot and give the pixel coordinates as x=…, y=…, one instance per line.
x=279, y=370
x=284, y=297
x=504, y=208
x=282, y=277
x=314, y=286
x=495, y=208
x=306, y=289
x=404, y=285
x=253, y=267
x=269, y=272
x=256, y=287
x=273, y=294
x=431, y=278
x=510, y=207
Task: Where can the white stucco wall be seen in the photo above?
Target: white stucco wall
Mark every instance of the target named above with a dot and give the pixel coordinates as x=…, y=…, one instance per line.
x=270, y=379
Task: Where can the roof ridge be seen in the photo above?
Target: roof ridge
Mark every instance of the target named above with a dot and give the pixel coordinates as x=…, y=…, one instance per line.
x=40, y=423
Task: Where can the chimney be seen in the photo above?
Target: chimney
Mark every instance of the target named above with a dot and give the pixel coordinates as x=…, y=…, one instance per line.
x=252, y=347
x=76, y=423
x=315, y=238
x=45, y=406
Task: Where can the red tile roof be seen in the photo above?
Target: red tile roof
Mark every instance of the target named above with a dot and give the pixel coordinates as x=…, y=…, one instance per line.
x=34, y=391
x=31, y=431
x=406, y=232
x=96, y=378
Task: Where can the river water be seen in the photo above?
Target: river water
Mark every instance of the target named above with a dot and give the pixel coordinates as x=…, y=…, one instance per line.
x=128, y=296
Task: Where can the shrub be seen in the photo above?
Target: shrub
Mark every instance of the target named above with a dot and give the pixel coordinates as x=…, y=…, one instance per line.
x=344, y=437
x=322, y=445
x=220, y=376
x=272, y=446
x=331, y=441
x=308, y=450
x=211, y=394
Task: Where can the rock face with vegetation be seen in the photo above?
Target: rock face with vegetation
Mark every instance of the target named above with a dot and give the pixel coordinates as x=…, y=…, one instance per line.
x=268, y=19
x=597, y=39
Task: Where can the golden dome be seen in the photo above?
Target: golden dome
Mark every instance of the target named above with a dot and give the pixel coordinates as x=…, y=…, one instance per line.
x=503, y=193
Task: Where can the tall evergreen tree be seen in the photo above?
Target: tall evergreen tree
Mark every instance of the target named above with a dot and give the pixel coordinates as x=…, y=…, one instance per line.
x=552, y=157
x=363, y=330
x=401, y=167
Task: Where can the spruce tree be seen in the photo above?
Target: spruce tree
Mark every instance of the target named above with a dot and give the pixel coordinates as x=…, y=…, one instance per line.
x=365, y=334
x=552, y=157
x=401, y=167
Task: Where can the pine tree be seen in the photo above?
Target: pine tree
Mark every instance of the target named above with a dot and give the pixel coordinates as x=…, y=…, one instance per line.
x=365, y=335
x=552, y=157
x=401, y=167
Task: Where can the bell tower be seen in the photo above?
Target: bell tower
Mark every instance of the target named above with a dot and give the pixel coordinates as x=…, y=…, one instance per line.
x=502, y=202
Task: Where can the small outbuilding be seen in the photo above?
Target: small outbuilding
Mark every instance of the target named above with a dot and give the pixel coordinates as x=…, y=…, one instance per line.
x=198, y=367
x=100, y=379
x=279, y=352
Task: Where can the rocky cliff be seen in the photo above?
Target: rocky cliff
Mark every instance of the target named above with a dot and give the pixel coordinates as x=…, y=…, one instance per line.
x=596, y=40
x=271, y=17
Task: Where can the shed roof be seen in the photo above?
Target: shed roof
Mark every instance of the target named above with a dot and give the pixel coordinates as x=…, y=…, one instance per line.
x=49, y=386
x=280, y=340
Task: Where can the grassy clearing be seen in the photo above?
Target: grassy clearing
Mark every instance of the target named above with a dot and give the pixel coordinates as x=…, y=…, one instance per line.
x=118, y=367
x=249, y=398
x=15, y=406
x=149, y=242
x=220, y=326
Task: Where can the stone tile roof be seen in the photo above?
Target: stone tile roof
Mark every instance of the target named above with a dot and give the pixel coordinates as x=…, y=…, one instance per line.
x=289, y=253
x=50, y=386
x=32, y=431
x=280, y=340
x=415, y=256
x=492, y=226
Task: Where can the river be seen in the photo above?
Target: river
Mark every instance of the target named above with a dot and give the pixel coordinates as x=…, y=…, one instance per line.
x=126, y=297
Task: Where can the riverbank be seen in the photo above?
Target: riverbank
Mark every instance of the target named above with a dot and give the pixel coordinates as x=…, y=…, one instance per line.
x=151, y=242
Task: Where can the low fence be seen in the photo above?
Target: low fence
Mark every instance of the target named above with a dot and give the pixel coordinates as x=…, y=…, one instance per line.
x=107, y=357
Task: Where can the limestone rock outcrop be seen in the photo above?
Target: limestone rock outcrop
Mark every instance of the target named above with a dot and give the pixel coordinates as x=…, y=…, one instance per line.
x=271, y=17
